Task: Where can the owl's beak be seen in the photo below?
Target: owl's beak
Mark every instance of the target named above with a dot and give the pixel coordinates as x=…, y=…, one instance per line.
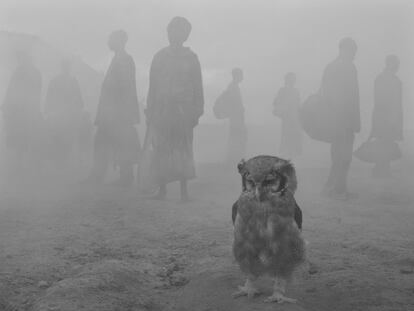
x=259, y=194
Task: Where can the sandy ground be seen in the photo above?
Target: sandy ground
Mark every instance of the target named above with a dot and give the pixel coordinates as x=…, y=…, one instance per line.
x=66, y=246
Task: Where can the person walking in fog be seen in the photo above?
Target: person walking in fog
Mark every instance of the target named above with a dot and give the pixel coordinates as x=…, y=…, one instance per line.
x=387, y=116
x=116, y=139
x=286, y=107
x=21, y=109
x=174, y=105
x=341, y=91
x=63, y=110
x=230, y=105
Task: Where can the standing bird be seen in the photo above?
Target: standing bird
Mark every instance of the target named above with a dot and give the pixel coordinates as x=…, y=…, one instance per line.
x=267, y=225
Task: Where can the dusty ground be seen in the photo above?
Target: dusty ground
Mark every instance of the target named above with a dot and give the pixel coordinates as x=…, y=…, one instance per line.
x=65, y=246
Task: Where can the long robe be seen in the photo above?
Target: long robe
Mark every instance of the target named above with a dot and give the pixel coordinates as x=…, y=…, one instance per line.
x=387, y=117
x=118, y=112
x=286, y=106
x=175, y=102
x=21, y=107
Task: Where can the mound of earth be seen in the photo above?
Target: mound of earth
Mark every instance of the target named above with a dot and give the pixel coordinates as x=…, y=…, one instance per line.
x=212, y=291
x=104, y=286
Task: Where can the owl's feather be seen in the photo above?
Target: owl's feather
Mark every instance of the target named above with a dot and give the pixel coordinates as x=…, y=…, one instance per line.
x=267, y=238
x=297, y=215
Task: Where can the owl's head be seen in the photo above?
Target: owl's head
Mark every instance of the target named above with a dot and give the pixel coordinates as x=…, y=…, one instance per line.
x=267, y=176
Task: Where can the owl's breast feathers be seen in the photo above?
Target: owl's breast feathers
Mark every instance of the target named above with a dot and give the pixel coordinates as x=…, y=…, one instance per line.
x=266, y=238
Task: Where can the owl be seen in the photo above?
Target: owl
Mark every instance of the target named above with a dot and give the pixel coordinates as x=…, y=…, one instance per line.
x=267, y=225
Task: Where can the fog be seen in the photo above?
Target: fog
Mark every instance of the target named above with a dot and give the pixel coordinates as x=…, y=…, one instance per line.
x=264, y=38
x=110, y=199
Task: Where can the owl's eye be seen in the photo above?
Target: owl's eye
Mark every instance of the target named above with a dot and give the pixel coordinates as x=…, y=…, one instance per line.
x=274, y=185
x=250, y=184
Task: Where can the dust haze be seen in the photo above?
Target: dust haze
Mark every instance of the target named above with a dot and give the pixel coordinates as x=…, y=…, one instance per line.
x=122, y=132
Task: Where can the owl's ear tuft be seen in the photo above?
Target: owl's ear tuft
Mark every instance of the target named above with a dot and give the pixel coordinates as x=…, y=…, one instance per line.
x=242, y=167
x=288, y=171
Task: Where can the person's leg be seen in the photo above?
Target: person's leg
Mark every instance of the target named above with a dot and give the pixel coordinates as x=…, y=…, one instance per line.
x=100, y=157
x=184, y=191
x=126, y=174
x=344, y=163
x=333, y=172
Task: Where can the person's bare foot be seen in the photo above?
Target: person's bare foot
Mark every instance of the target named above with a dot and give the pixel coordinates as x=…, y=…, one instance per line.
x=158, y=196
x=186, y=199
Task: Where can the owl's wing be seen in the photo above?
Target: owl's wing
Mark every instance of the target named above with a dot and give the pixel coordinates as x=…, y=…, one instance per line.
x=234, y=211
x=298, y=216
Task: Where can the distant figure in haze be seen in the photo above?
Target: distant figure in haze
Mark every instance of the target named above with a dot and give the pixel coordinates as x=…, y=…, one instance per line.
x=387, y=117
x=174, y=104
x=63, y=110
x=229, y=105
x=340, y=88
x=21, y=108
x=286, y=107
x=116, y=140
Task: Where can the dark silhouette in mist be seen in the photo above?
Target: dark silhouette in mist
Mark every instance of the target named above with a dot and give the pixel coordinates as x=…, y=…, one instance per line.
x=286, y=107
x=21, y=108
x=387, y=116
x=116, y=140
x=175, y=103
x=63, y=109
x=229, y=105
x=341, y=91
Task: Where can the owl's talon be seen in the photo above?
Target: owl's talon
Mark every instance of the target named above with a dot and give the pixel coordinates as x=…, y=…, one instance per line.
x=280, y=298
x=248, y=291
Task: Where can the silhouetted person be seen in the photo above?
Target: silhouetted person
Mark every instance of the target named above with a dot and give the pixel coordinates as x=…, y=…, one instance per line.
x=340, y=89
x=286, y=106
x=63, y=109
x=116, y=139
x=174, y=104
x=229, y=105
x=21, y=107
x=387, y=117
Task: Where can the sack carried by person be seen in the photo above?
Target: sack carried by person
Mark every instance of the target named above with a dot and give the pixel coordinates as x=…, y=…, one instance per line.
x=376, y=150
x=318, y=118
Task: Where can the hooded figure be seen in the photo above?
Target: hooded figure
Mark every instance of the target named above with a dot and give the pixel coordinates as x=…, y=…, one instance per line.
x=116, y=139
x=21, y=106
x=174, y=104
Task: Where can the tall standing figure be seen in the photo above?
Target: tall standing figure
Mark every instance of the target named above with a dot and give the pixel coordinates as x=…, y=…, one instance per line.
x=21, y=108
x=229, y=105
x=340, y=89
x=116, y=139
x=63, y=109
x=175, y=102
x=286, y=106
x=387, y=117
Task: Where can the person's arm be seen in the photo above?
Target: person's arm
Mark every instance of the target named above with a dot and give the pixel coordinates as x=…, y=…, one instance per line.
x=198, y=92
x=373, y=117
x=151, y=90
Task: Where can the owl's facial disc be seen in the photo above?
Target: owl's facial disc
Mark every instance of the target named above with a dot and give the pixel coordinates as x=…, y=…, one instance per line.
x=250, y=183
